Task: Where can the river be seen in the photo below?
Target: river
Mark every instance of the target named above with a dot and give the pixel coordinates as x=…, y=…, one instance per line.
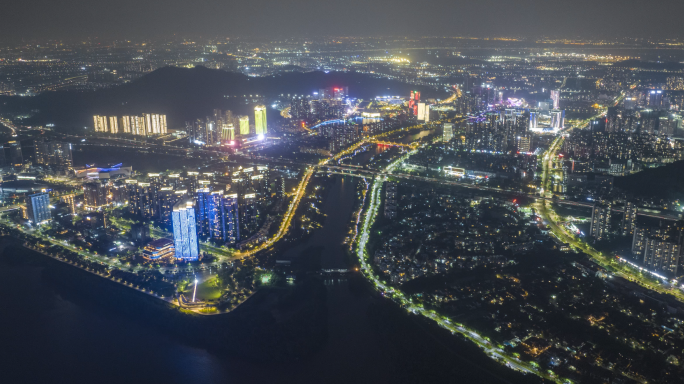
x=47, y=338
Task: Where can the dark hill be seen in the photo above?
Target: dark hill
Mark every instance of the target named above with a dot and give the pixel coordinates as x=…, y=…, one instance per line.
x=662, y=182
x=186, y=94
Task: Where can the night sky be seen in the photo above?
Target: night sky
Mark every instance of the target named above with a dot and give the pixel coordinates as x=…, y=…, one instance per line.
x=134, y=19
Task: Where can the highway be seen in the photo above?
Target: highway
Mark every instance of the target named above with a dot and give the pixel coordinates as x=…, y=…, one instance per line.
x=363, y=172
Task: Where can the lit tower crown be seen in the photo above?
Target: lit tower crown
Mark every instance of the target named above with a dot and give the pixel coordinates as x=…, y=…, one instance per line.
x=260, y=119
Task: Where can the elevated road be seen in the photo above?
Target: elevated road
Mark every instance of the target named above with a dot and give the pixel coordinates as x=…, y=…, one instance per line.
x=362, y=172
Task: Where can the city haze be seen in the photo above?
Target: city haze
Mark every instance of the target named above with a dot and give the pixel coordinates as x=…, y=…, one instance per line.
x=126, y=19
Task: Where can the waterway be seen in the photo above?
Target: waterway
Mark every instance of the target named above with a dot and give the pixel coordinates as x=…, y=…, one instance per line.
x=45, y=337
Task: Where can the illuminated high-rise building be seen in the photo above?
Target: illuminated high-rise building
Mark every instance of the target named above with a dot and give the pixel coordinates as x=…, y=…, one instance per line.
x=53, y=153
x=113, y=124
x=202, y=198
x=423, y=112
x=95, y=194
x=600, y=221
x=155, y=124
x=260, y=119
x=16, y=156
x=227, y=131
x=146, y=125
x=231, y=219
x=131, y=124
x=523, y=144
x=661, y=255
x=555, y=96
x=100, y=123
x=629, y=219
x=186, y=242
x=38, y=208
x=244, y=125
x=166, y=199
x=69, y=201
x=655, y=98
x=217, y=215
x=448, y=132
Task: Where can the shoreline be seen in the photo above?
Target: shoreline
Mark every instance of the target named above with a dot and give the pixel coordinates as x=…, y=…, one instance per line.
x=174, y=301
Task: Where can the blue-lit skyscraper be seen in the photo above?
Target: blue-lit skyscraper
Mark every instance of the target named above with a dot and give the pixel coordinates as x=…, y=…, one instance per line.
x=231, y=219
x=38, y=208
x=217, y=216
x=185, y=229
x=203, y=197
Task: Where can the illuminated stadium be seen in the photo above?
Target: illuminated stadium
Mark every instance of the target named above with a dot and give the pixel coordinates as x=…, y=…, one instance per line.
x=106, y=171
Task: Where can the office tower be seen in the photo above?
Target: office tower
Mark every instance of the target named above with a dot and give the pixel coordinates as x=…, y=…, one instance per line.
x=260, y=119
x=38, y=208
x=15, y=155
x=100, y=123
x=423, y=112
x=448, y=132
x=555, y=96
x=53, y=153
x=95, y=194
x=113, y=124
x=600, y=221
x=244, y=125
x=185, y=238
x=661, y=255
x=629, y=219
x=69, y=201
